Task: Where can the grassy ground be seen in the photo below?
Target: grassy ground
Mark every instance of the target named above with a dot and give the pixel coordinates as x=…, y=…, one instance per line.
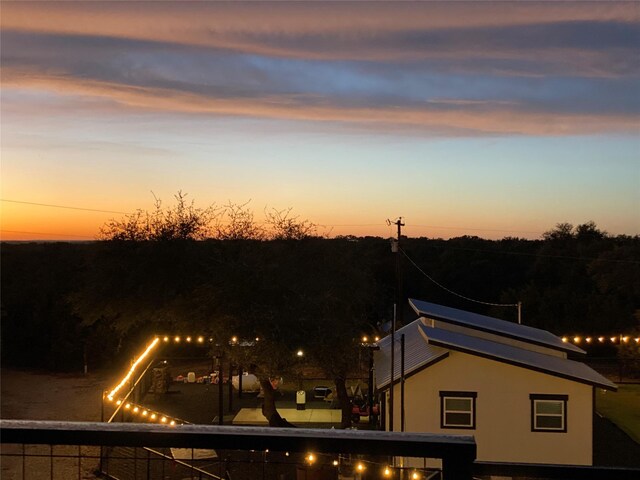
x=622, y=408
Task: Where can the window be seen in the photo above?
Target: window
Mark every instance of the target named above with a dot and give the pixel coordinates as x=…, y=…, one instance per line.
x=548, y=413
x=458, y=410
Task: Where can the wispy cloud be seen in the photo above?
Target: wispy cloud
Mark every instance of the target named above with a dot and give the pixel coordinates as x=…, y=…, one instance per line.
x=530, y=69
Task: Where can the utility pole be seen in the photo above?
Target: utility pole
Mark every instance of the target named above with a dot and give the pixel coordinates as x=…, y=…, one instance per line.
x=397, y=311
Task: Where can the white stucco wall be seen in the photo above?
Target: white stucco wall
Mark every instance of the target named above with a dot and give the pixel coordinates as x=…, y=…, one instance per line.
x=503, y=410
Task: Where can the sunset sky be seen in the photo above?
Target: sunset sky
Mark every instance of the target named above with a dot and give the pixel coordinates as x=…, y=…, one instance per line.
x=488, y=119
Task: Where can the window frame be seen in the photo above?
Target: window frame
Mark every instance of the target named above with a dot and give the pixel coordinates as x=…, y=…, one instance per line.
x=458, y=395
x=545, y=397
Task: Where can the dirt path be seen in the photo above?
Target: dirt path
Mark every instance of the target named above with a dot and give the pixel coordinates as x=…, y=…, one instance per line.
x=27, y=395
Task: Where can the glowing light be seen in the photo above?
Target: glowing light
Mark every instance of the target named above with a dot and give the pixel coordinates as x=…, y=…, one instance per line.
x=310, y=458
x=613, y=339
x=300, y=353
x=166, y=339
x=257, y=339
x=625, y=339
x=133, y=367
x=286, y=454
x=200, y=339
x=601, y=339
x=163, y=419
x=119, y=402
x=127, y=406
x=576, y=339
x=335, y=463
x=565, y=339
x=153, y=416
x=135, y=409
x=177, y=339
x=365, y=339
x=588, y=339
x=188, y=339
x=386, y=472
x=234, y=339
x=360, y=467
x=415, y=476
x=637, y=340
x=376, y=339
x=172, y=422
x=144, y=413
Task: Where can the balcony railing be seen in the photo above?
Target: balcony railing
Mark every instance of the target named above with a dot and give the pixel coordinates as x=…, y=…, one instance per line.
x=257, y=452
x=36, y=449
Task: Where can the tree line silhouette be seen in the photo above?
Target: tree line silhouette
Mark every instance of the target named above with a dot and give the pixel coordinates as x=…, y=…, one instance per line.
x=160, y=272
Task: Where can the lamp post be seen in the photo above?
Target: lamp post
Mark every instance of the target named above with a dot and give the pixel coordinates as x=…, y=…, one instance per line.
x=218, y=358
x=301, y=399
x=371, y=347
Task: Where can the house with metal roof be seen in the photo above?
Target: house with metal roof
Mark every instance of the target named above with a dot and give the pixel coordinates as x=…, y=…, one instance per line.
x=516, y=388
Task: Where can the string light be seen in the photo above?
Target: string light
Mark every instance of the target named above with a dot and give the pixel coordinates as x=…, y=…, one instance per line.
x=150, y=415
x=415, y=476
x=335, y=463
x=177, y=339
x=200, y=339
x=133, y=368
x=601, y=339
x=376, y=339
x=365, y=339
x=166, y=339
x=188, y=339
x=310, y=458
x=386, y=472
x=234, y=339
x=360, y=467
x=300, y=353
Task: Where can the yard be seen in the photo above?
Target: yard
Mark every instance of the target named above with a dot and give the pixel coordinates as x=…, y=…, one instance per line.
x=622, y=408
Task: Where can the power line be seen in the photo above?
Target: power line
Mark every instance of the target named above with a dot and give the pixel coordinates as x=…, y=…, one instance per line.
x=455, y=293
x=61, y=206
x=477, y=229
x=46, y=233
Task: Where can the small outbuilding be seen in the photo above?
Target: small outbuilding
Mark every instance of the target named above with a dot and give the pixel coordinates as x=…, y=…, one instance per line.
x=513, y=387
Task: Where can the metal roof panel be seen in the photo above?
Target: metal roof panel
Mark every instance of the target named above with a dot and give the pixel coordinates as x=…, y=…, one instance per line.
x=492, y=325
x=418, y=354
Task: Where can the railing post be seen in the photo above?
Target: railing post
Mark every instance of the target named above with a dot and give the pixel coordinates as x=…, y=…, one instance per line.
x=457, y=468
